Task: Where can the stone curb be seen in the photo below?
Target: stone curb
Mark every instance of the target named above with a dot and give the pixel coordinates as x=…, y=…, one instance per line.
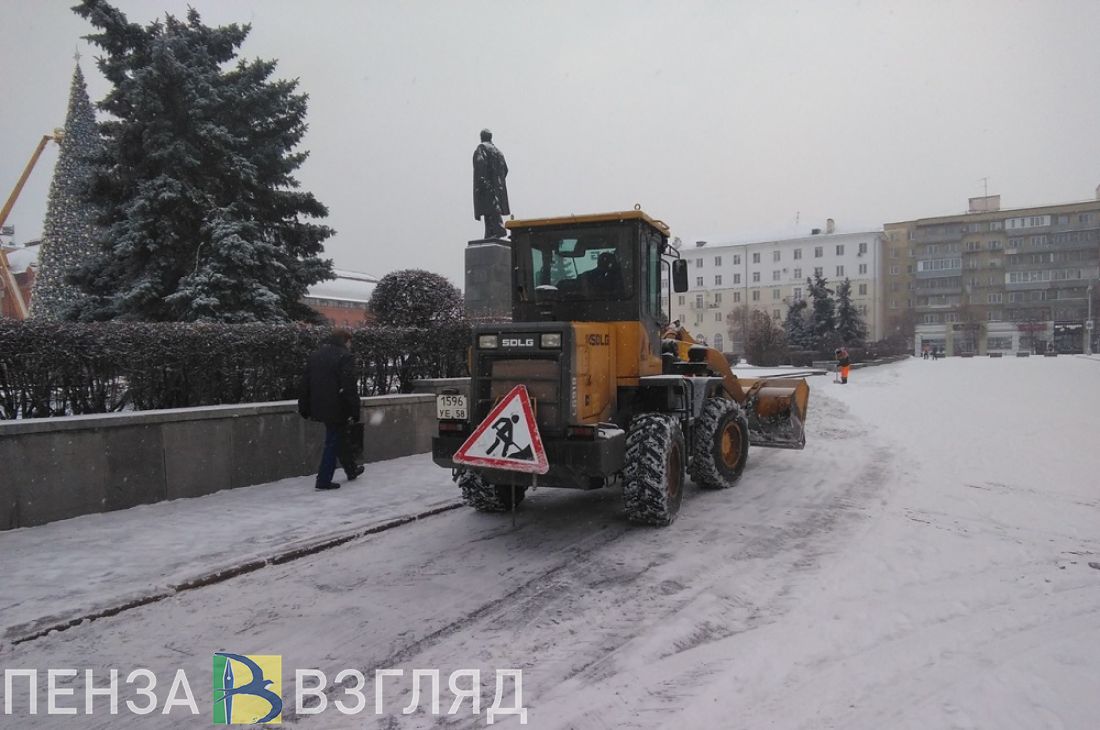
x=233, y=571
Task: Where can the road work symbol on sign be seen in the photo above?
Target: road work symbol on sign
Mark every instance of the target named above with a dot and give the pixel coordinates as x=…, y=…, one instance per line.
x=507, y=439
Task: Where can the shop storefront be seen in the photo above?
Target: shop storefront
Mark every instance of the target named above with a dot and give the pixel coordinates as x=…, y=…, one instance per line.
x=1069, y=337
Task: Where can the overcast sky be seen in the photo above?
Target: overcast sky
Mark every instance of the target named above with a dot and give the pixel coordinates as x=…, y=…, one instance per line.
x=725, y=119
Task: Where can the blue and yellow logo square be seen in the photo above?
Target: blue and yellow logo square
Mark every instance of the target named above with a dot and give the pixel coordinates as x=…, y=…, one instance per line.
x=248, y=689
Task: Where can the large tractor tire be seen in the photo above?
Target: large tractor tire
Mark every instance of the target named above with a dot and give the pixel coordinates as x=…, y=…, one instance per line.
x=486, y=497
x=721, y=446
x=653, y=480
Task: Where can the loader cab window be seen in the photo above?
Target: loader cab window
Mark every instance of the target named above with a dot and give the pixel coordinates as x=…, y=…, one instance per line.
x=594, y=265
x=653, y=276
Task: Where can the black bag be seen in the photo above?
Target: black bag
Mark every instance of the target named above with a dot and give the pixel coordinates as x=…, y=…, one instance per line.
x=351, y=443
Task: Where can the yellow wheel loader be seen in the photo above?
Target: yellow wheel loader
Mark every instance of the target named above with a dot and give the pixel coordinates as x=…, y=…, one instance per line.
x=617, y=397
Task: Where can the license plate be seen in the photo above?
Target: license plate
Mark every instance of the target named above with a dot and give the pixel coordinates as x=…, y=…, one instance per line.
x=450, y=407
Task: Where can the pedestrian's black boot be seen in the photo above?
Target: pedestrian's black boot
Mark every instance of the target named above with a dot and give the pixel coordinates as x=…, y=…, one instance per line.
x=330, y=485
x=844, y=381
x=354, y=471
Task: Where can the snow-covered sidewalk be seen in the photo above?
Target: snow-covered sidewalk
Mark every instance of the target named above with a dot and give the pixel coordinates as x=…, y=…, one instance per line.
x=64, y=570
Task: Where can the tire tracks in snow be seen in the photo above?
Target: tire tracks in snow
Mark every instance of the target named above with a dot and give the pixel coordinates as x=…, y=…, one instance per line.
x=730, y=564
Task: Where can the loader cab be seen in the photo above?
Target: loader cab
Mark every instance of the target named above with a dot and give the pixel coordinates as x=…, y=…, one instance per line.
x=597, y=268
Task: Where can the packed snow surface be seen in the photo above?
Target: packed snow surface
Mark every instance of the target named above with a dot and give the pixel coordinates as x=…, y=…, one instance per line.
x=923, y=563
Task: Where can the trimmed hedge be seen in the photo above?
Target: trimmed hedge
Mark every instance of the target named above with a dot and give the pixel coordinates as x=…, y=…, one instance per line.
x=66, y=368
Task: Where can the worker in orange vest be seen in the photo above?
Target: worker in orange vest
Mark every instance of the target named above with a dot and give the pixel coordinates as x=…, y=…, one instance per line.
x=843, y=363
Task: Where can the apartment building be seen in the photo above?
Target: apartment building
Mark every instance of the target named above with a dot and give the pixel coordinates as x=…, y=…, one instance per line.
x=769, y=275
x=993, y=280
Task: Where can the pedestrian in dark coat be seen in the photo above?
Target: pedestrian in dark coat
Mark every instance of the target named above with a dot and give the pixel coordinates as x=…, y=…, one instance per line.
x=328, y=394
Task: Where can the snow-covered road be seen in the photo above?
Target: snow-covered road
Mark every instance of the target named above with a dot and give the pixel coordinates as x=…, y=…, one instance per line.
x=923, y=563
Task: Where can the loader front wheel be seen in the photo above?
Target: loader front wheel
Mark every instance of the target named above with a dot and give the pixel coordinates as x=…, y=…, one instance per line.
x=721, y=445
x=486, y=497
x=653, y=480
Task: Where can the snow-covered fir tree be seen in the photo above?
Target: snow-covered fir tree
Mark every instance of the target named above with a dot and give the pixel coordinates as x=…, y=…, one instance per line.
x=849, y=324
x=824, y=309
x=204, y=218
x=798, y=327
x=70, y=231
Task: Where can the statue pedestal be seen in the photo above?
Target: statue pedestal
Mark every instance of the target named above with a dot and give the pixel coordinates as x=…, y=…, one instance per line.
x=488, y=292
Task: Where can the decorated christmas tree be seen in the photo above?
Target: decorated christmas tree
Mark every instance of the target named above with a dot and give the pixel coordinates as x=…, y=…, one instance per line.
x=68, y=237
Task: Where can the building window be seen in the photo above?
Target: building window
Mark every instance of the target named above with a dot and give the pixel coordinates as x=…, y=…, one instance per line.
x=895, y=270
x=775, y=275
x=797, y=254
x=736, y=297
x=951, y=317
x=798, y=274
x=893, y=304
x=775, y=293
x=718, y=342
x=973, y=245
x=840, y=249
x=994, y=245
x=840, y=271
x=717, y=298
x=699, y=281
x=718, y=280
x=863, y=248
x=863, y=268
x=756, y=295
x=818, y=271
x=756, y=276
x=862, y=309
x=939, y=265
x=698, y=301
x=775, y=255
x=717, y=260
x=818, y=252
x=756, y=258
x=736, y=259
x=996, y=298
x=698, y=263
x=863, y=290
x=1084, y=218
x=736, y=278
x=717, y=316
x=681, y=300
x=798, y=294
x=775, y=314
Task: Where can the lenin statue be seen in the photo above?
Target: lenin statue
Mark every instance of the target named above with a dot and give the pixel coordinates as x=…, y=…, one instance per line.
x=490, y=189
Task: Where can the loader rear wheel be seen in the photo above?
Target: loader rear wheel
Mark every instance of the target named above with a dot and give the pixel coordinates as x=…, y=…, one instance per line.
x=721, y=445
x=486, y=497
x=653, y=480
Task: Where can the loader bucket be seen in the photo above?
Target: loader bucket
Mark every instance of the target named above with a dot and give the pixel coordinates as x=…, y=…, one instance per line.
x=776, y=411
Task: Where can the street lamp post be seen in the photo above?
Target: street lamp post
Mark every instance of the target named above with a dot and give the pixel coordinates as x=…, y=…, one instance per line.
x=1088, y=322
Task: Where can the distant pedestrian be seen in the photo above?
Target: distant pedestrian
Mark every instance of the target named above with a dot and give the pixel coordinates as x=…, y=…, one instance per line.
x=843, y=364
x=328, y=394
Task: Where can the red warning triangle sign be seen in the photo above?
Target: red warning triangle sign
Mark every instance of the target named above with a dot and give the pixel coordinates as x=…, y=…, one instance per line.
x=508, y=438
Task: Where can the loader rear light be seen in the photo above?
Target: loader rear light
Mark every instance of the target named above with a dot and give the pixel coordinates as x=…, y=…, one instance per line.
x=581, y=432
x=487, y=342
x=452, y=427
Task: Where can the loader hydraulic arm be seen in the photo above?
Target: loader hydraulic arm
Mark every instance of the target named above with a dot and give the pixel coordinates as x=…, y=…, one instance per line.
x=5, y=270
